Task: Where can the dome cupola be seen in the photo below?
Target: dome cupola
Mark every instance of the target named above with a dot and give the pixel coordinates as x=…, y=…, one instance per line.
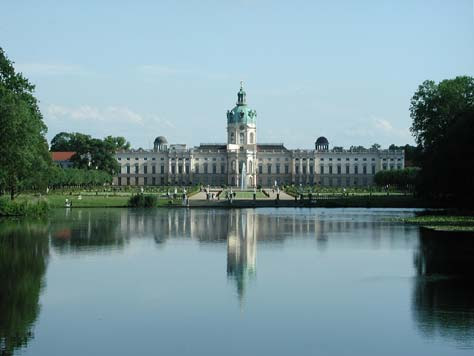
x=241, y=113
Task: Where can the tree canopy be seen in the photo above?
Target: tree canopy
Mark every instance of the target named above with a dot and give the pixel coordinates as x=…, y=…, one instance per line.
x=443, y=126
x=23, y=147
x=90, y=152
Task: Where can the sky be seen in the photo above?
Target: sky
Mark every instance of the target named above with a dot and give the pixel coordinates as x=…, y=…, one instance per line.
x=341, y=69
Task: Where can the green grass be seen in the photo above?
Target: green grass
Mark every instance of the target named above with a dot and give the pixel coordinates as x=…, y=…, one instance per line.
x=89, y=201
x=245, y=195
x=443, y=222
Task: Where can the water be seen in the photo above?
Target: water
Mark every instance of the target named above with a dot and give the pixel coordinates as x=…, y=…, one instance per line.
x=233, y=282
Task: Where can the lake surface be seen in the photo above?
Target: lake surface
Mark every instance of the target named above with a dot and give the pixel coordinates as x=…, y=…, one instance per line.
x=233, y=282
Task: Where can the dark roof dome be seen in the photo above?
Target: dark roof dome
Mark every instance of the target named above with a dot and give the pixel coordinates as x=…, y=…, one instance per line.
x=160, y=140
x=322, y=141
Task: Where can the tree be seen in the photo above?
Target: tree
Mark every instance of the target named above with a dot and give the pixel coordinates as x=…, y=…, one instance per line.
x=443, y=126
x=91, y=152
x=22, y=143
x=435, y=107
x=375, y=146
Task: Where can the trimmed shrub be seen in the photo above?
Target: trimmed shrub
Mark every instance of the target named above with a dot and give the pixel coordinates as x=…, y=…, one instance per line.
x=143, y=201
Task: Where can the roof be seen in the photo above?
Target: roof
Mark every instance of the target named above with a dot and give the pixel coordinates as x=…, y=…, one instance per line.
x=322, y=141
x=62, y=156
x=271, y=147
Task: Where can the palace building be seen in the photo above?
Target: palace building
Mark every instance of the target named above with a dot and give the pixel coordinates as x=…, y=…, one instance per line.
x=243, y=161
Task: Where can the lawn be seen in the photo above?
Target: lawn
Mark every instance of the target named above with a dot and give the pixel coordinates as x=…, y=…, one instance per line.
x=245, y=195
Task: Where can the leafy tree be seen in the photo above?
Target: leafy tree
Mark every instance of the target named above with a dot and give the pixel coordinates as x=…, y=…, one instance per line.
x=443, y=126
x=23, y=148
x=435, y=107
x=376, y=146
x=90, y=152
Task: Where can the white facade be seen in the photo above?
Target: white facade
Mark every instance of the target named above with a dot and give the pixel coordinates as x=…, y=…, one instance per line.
x=221, y=164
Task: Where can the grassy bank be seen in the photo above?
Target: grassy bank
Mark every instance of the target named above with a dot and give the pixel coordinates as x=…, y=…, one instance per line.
x=444, y=222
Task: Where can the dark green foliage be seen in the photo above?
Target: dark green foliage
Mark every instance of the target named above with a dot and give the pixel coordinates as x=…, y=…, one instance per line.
x=23, y=147
x=443, y=125
x=23, y=208
x=74, y=177
x=90, y=152
x=404, y=179
x=143, y=201
x=413, y=154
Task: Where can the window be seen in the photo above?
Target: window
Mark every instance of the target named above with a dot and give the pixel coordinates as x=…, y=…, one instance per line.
x=196, y=168
x=173, y=169
x=136, y=180
x=384, y=166
x=260, y=169
x=287, y=169
x=119, y=181
x=364, y=169
x=297, y=169
x=162, y=169
x=311, y=169
x=304, y=169
x=128, y=169
x=186, y=169
x=251, y=140
x=339, y=171
x=321, y=169
x=330, y=169
x=347, y=169
x=145, y=169
x=242, y=138
x=278, y=169
x=153, y=169
x=373, y=169
x=119, y=158
x=136, y=169
x=269, y=168
x=145, y=181
x=232, y=138
x=222, y=168
x=356, y=169
x=206, y=170
x=180, y=169
x=128, y=180
x=214, y=168
x=153, y=181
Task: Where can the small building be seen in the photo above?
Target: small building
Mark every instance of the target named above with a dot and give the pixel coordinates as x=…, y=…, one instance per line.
x=63, y=159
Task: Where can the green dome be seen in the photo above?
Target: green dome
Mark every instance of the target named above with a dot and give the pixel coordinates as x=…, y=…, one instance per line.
x=241, y=114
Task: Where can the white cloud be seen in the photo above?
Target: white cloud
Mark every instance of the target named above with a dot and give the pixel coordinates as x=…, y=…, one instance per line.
x=111, y=114
x=49, y=69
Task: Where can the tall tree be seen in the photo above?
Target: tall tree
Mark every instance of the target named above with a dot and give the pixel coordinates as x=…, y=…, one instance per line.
x=443, y=126
x=22, y=130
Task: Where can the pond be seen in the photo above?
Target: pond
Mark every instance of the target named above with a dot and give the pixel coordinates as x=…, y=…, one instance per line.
x=281, y=281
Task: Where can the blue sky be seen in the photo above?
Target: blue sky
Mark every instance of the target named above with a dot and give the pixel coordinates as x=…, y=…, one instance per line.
x=343, y=69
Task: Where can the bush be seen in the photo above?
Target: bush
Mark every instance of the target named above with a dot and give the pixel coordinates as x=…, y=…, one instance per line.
x=23, y=208
x=143, y=201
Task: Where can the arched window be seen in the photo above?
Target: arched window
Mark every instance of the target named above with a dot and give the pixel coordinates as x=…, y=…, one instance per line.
x=233, y=166
x=232, y=138
x=251, y=138
x=242, y=138
x=250, y=170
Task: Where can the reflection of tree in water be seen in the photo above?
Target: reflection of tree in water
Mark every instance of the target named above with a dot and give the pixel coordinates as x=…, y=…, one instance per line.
x=87, y=230
x=24, y=254
x=241, y=249
x=443, y=295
